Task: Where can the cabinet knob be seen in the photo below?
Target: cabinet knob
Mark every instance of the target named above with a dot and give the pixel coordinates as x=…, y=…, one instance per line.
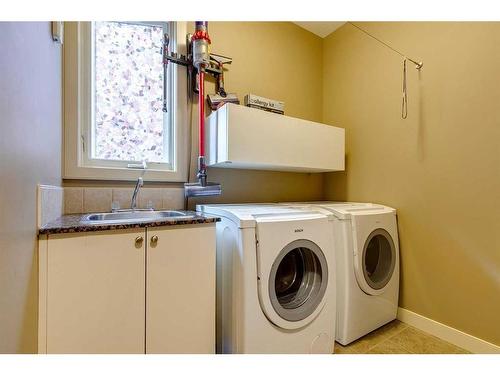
x=154, y=240
x=138, y=241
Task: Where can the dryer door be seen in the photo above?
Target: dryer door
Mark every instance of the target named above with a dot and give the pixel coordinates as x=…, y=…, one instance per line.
x=375, y=251
x=293, y=271
x=298, y=280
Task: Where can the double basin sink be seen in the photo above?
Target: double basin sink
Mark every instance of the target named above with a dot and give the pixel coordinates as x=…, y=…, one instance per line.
x=135, y=216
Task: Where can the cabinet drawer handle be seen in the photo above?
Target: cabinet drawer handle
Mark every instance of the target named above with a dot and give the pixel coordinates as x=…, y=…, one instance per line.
x=154, y=240
x=138, y=241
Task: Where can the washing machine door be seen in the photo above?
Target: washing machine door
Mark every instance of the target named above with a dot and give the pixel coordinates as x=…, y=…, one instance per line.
x=376, y=252
x=293, y=270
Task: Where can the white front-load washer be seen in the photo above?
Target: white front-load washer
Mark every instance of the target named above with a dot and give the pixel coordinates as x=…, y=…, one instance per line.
x=367, y=265
x=275, y=280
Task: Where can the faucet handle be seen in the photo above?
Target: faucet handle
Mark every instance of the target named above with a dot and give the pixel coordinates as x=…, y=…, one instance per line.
x=115, y=206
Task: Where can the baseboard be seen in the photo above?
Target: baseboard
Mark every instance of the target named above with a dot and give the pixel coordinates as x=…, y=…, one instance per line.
x=444, y=332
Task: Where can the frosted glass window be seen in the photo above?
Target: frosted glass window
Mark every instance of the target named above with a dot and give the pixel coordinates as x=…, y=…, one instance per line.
x=128, y=121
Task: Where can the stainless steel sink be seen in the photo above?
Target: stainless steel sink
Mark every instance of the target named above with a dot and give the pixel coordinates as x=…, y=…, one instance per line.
x=136, y=216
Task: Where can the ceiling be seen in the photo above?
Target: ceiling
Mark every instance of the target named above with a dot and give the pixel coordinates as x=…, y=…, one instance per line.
x=321, y=29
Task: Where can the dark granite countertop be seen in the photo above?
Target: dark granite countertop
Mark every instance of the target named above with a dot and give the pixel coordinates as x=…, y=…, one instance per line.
x=74, y=224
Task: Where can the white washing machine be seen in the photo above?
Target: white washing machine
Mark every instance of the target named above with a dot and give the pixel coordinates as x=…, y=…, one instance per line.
x=367, y=255
x=275, y=280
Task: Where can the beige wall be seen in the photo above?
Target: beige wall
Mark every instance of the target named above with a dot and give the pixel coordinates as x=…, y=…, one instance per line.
x=278, y=60
x=30, y=153
x=439, y=168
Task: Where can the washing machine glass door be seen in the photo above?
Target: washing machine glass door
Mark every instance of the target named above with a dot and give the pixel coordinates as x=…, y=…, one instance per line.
x=378, y=259
x=298, y=280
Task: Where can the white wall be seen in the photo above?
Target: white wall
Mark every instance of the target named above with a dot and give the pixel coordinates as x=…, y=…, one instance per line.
x=30, y=153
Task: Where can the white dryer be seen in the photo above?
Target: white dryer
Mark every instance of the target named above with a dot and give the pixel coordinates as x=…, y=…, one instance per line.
x=367, y=255
x=275, y=280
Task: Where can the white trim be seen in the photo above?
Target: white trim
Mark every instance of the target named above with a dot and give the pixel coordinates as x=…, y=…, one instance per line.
x=444, y=332
x=38, y=205
x=76, y=104
x=42, y=293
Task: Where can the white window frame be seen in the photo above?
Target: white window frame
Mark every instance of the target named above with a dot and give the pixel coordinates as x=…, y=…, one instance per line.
x=77, y=104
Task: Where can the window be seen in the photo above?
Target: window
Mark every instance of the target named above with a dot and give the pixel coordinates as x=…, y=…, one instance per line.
x=128, y=122
x=114, y=98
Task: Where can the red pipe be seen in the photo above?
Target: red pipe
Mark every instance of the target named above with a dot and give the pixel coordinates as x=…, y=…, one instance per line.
x=201, y=113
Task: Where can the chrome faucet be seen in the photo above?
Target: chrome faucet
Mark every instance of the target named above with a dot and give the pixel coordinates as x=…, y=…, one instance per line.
x=138, y=185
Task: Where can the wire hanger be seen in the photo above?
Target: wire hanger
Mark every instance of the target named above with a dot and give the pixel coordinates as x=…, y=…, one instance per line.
x=418, y=66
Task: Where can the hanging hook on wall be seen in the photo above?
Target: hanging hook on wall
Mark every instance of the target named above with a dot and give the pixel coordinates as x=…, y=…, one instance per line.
x=404, y=104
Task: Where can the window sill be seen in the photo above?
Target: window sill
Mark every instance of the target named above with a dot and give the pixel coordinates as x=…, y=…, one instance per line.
x=120, y=174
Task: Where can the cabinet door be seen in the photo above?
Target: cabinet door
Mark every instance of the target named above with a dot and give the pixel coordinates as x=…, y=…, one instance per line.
x=96, y=292
x=180, y=289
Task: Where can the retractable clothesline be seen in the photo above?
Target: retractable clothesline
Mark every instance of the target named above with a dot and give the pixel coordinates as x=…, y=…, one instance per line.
x=418, y=66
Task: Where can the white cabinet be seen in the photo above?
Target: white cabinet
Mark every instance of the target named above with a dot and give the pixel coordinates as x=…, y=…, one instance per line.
x=128, y=291
x=248, y=138
x=180, y=284
x=95, y=291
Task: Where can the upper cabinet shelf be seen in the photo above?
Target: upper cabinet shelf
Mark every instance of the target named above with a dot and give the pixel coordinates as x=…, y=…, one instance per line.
x=248, y=138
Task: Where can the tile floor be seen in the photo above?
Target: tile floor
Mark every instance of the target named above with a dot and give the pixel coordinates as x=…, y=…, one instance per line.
x=399, y=338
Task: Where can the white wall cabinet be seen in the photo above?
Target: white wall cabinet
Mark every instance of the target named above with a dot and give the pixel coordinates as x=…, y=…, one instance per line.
x=249, y=138
x=128, y=291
